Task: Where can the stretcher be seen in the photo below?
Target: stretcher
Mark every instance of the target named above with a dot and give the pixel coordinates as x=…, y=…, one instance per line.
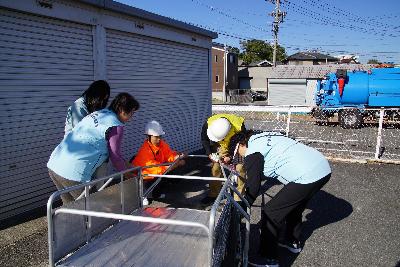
x=112, y=228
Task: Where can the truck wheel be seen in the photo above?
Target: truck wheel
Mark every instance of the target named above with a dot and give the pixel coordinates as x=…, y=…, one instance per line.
x=321, y=117
x=350, y=118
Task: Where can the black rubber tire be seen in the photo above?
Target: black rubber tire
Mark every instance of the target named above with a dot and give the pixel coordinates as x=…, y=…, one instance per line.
x=350, y=118
x=321, y=117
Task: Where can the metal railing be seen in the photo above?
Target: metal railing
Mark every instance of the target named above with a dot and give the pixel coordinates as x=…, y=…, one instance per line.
x=209, y=230
x=375, y=140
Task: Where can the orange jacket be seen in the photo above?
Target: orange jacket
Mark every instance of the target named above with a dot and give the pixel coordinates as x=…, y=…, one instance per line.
x=150, y=154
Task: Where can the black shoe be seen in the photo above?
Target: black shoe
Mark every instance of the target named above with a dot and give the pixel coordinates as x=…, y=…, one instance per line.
x=208, y=200
x=294, y=247
x=260, y=261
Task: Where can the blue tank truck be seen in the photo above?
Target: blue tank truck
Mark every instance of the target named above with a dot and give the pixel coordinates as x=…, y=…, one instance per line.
x=355, y=95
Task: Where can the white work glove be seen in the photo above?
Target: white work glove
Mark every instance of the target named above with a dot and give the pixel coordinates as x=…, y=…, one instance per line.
x=214, y=157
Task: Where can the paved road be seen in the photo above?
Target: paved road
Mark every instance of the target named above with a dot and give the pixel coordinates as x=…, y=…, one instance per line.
x=353, y=221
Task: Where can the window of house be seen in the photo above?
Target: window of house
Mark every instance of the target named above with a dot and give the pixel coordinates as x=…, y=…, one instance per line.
x=231, y=58
x=217, y=78
x=216, y=58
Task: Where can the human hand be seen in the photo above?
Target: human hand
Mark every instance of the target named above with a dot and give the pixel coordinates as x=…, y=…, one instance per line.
x=183, y=155
x=226, y=159
x=213, y=157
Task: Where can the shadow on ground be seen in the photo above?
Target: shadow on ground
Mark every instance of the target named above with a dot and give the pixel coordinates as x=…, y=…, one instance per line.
x=324, y=209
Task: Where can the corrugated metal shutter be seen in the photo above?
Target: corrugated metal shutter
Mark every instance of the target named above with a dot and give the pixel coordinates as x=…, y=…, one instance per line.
x=310, y=93
x=287, y=92
x=171, y=82
x=45, y=64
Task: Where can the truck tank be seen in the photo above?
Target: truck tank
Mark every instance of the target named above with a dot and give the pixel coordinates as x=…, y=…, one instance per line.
x=375, y=88
x=384, y=88
x=355, y=94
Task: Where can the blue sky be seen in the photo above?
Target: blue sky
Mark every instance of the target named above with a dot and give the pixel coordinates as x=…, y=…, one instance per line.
x=367, y=28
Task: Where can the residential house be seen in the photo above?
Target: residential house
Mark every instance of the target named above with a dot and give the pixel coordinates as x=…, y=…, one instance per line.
x=310, y=58
x=224, y=71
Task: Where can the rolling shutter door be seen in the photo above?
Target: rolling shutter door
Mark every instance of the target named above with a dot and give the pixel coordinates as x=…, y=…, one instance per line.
x=45, y=65
x=310, y=93
x=171, y=83
x=287, y=92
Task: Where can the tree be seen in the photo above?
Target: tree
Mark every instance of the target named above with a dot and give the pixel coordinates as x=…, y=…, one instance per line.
x=373, y=61
x=233, y=49
x=258, y=50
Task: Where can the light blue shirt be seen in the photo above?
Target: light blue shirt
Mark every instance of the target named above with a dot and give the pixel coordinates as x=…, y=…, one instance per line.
x=84, y=148
x=288, y=160
x=75, y=113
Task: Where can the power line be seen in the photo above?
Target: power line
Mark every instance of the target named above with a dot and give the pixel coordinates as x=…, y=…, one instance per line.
x=219, y=11
x=329, y=21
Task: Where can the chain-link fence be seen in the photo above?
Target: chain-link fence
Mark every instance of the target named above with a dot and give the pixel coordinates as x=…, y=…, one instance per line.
x=370, y=134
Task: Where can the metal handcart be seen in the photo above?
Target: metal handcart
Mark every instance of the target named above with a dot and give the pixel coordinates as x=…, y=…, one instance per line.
x=111, y=227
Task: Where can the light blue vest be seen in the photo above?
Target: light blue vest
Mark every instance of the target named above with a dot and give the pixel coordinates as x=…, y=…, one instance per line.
x=288, y=160
x=84, y=149
x=75, y=114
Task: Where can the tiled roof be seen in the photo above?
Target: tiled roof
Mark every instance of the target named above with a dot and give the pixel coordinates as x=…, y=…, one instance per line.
x=310, y=56
x=310, y=71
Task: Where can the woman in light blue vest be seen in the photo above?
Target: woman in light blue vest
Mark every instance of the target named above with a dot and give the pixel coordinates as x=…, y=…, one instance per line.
x=93, y=99
x=95, y=138
x=303, y=171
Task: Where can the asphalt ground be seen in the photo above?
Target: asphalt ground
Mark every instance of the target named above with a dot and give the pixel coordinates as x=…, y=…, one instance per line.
x=352, y=221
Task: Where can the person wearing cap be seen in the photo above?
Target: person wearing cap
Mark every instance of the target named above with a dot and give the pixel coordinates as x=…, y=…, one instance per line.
x=215, y=136
x=154, y=151
x=302, y=170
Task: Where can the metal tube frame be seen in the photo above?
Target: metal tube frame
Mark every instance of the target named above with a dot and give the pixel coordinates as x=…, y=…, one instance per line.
x=379, y=135
x=228, y=184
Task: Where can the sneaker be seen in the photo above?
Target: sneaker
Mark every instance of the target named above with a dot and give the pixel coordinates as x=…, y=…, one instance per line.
x=145, y=201
x=263, y=262
x=294, y=247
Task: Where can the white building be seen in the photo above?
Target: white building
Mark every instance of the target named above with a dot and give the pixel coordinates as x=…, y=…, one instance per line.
x=52, y=50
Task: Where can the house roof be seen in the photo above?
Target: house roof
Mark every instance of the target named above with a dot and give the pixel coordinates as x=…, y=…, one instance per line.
x=133, y=11
x=302, y=72
x=310, y=56
x=311, y=71
x=262, y=63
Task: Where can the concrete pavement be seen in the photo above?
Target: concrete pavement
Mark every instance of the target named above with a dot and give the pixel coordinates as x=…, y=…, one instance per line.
x=353, y=221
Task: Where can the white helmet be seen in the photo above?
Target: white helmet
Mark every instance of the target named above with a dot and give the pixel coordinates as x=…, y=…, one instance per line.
x=153, y=128
x=218, y=129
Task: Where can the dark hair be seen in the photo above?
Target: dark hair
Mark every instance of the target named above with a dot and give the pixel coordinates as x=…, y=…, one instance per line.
x=242, y=138
x=124, y=102
x=96, y=96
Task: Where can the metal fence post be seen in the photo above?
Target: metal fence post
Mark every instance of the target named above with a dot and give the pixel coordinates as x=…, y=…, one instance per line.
x=288, y=122
x=122, y=194
x=88, y=218
x=379, y=137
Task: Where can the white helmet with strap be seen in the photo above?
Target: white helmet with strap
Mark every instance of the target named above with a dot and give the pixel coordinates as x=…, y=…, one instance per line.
x=154, y=128
x=218, y=129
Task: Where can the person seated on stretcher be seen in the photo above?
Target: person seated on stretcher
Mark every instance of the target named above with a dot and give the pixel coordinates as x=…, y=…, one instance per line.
x=156, y=151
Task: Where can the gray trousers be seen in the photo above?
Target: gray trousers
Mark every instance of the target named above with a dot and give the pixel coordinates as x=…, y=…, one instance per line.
x=61, y=183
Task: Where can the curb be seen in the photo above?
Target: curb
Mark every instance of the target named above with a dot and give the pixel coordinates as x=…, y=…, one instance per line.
x=363, y=161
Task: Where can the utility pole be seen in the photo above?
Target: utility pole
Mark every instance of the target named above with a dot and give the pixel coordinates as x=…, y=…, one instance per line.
x=224, y=98
x=278, y=18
